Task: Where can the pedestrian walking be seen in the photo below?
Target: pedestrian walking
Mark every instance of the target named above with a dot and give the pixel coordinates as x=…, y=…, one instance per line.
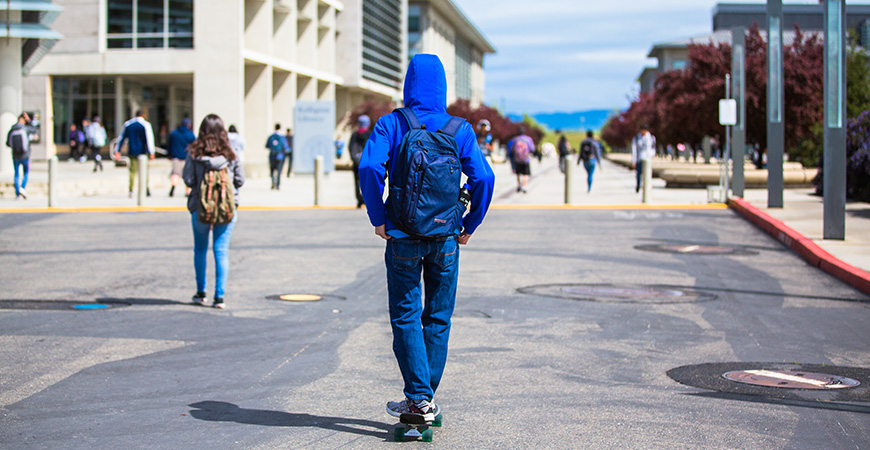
x=643, y=149
x=177, y=144
x=277, y=146
x=140, y=141
x=519, y=152
x=420, y=320
x=484, y=137
x=357, y=143
x=237, y=142
x=76, y=144
x=96, y=135
x=214, y=175
x=288, y=157
x=590, y=156
x=18, y=140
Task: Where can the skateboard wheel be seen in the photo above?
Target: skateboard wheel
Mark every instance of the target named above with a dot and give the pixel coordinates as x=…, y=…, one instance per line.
x=427, y=435
x=437, y=421
x=399, y=434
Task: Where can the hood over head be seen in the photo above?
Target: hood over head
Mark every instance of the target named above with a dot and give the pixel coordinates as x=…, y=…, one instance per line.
x=216, y=162
x=426, y=84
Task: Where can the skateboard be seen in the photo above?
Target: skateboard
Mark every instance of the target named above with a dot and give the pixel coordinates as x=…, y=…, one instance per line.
x=415, y=427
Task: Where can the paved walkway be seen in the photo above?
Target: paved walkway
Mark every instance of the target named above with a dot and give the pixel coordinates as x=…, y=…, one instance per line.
x=613, y=187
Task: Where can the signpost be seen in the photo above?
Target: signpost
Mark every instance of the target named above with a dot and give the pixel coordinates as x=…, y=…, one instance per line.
x=834, y=172
x=314, y=135
x=738, y=131
x=775, y=125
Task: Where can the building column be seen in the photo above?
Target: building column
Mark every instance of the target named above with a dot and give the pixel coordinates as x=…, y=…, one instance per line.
x=10, y=96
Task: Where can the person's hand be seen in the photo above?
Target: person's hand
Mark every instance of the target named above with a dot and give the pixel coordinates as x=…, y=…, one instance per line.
x=382, y=232
x=152, y=156
x=463, y=238
x=633, y=166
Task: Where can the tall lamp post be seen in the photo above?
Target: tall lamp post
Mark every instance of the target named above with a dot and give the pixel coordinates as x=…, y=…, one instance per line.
x=775, y=125
x=834, y=171
x=738, y=131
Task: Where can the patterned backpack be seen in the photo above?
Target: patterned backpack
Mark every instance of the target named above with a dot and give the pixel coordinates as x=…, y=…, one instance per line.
x=216, y=204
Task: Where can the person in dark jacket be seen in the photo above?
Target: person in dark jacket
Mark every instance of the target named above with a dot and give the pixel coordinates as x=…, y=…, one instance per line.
x=356, y=146
x=140, y=141
x=421, y=326
x=18, y=139
x=277, y=146
x=178, y=141
x=211, y=151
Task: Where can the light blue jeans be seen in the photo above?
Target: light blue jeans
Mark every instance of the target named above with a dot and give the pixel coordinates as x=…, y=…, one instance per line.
x=590, y=170
x=221, y=234
x=21, y=164
x=421, y=323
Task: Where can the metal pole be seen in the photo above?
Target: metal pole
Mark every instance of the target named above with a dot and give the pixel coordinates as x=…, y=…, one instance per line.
x=738, y=131
x=775, y=113
x=52, y=182
x=318, y=180
x=724, y=165
x=569, y=179
x=834, y=171
x=142, y=162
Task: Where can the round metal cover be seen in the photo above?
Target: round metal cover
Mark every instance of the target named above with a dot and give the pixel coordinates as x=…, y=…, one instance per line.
x=791, y=379
x=695, y=249
x=609, y=293
x=803, y=382
x=300, y=297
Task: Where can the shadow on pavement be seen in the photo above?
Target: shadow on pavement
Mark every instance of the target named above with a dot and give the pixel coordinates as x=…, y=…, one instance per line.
x=140, y=301
x=215, y=411
x=831, y=406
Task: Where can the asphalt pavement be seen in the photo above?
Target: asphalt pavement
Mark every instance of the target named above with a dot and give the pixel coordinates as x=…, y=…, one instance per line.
x=568, y=322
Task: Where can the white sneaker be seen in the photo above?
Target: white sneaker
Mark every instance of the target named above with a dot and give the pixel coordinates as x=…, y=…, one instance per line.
x=23, y=194
x=429, y=410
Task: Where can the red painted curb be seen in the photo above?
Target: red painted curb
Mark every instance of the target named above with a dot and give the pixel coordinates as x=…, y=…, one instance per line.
x=806, y=248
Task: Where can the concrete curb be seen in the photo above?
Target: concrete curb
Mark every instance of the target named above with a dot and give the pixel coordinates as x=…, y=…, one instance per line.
x=803, y=246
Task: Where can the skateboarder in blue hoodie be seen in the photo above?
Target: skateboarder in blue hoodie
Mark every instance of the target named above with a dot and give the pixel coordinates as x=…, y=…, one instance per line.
x=421, y=328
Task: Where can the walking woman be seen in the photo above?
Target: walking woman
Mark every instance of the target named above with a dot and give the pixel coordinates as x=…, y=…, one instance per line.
x=211, y=151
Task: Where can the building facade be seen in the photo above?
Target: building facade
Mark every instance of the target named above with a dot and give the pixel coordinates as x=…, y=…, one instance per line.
x=249, y=61
x=439, y=27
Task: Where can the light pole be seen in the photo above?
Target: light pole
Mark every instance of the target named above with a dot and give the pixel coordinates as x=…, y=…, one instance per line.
x=738, y=131
x=775, y=125
x=834, y=172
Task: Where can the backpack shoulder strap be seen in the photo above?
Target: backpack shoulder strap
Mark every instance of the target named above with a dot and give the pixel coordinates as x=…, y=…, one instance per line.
x=410, y=117
x=452, y=126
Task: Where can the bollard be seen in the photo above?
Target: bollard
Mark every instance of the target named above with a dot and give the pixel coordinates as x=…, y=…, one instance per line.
x=318, y=180
x=143, y=166
x=52, y=182
x=569, y=178
x=647, y=179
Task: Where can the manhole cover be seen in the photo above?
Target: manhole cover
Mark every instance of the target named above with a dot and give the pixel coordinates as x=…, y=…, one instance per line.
x=791, y=379
x=56, y=305
x=303, y=297
x=619, y=293
x=815, y=382
x=695, y=249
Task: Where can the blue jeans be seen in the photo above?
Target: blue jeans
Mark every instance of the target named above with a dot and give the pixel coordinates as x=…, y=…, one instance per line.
x=19, y=163
x=639, y=174
x=421, y=324
x=221, y=252
x=590, y=169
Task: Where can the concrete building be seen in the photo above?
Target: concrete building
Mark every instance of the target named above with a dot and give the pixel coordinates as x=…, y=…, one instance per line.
x=674, y=54
x=249, y=61
x=439, y=27
x=26, y=37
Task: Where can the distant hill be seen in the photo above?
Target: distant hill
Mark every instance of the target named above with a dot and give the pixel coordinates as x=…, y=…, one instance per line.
x=578, y=120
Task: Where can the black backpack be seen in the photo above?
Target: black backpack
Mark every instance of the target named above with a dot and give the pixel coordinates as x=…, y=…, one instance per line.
x=18, y=141
x=586, y=151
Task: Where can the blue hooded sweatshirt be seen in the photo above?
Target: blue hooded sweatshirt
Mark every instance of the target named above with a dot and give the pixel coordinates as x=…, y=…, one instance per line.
x=426, y=93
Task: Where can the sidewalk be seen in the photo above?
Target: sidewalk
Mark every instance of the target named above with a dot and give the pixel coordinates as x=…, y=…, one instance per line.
x=613, y=187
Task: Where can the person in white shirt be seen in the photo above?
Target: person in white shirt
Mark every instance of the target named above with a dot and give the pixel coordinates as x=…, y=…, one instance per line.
x=643, y=148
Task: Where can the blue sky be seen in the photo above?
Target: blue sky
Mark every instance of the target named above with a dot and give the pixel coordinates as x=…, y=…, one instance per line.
x=572, y=55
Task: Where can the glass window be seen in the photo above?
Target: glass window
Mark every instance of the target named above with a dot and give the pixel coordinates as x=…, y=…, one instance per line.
x=679, y=64
x=120, y=17
x=149, y=24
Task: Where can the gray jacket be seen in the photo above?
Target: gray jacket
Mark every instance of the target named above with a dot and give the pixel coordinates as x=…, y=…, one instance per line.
x=194, y=171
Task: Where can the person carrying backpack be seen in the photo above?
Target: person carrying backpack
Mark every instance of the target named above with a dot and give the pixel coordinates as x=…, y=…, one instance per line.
x=357, y=143
x=214, y=175
x=423, y=149
x=277, y=145
x=590, y=156
x=519, y=151
x=18, y=139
